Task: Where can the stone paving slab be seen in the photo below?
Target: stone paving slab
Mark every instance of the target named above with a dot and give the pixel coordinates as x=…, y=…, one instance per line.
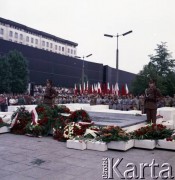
x=51, y=160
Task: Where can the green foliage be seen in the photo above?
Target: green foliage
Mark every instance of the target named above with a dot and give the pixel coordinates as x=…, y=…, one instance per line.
x=160, y=68
x=113, y=133
x=23, y=118
x=13, y=73
x=34, y=130
x=154, y=131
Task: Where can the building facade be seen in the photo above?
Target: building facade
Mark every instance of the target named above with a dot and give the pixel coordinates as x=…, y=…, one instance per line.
x=21, y=34
x=50, y=57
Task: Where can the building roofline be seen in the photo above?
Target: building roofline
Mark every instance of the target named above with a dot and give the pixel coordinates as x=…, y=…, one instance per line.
x=44, y=34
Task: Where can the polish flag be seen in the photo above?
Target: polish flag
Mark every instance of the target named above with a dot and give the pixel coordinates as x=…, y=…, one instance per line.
x=108, y=88
x=87, y=86
x=116, y=89
x=84, y=87
x=99, y=88
x=126, y=89
x=75, y=89
x=92, y=89
x=80, y=89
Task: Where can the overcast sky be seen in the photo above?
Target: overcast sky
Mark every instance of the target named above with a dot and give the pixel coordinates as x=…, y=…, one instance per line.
x=86, y=21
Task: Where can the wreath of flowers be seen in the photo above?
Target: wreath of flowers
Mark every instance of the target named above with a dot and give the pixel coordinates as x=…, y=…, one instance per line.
x=114, y=133
x=153, y=131
x=80, y=115
x=24, y=117
x=72, y=130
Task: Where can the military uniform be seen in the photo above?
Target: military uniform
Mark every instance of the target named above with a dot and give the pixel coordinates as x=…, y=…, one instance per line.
x=151, y=96
x=50, y=94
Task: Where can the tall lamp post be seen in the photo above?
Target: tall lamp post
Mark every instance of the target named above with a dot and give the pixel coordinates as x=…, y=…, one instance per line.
x=82, y=76
x=117, y=50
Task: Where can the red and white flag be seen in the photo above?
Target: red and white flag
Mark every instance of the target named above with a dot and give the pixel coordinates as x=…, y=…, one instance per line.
x=108, y=88
x=75, y=89
x=14, y=120
x=99, y=88
x=116, y=89
x=92, y=88
x=34, y=117
x=87, y=86
x=80, y=89
x=84, y=87
x=126, y=89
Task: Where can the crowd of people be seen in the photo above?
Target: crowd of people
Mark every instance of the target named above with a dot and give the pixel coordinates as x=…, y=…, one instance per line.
x=65, y=95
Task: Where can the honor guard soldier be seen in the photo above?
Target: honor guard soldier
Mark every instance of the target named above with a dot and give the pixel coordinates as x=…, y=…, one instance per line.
x=151, y=97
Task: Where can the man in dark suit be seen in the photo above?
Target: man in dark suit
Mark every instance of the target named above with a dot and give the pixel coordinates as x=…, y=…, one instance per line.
x=151, y=97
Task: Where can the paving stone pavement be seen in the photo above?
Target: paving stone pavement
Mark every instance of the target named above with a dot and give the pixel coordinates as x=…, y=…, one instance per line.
x=28, y=158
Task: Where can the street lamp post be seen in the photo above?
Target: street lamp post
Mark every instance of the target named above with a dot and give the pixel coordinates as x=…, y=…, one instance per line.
x=82, y=76
x=117, y=50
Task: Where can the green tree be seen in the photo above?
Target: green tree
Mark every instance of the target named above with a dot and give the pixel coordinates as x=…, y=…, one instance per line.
x=5, y=75
x=160, y=68
x=13, y=73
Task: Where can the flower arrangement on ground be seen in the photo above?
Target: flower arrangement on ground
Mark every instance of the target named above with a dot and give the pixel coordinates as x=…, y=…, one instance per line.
x=21, y=118
x=114, y=133
x=34, y=130
x=62, y=109
x=80, y=115
x=153, y=132
x=171, y=138
x=72, y=130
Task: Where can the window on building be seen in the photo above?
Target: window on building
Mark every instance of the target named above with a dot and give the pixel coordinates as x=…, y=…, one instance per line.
x=32, y=40
x=21, y=37
x=1, y=31
x=55, y=47
x=74, y=52
x=16, y=35
x=11, y=33
x=27, y=38
x=68, y=50
x=43, y=43
x=62, y=48
x=50, y=45
x=36, y=41
x=47, y=44
x=71, y=51
x=59, y=48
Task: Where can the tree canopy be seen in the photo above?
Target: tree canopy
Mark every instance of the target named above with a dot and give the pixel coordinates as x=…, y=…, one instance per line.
x=160, y=68
x=13, y=73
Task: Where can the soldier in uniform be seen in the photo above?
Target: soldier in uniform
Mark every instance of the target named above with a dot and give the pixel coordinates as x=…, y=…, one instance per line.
x=151, y=96
x=50, y=93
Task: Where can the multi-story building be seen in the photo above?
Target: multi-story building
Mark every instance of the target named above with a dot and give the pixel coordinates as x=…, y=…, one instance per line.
x=18, y=33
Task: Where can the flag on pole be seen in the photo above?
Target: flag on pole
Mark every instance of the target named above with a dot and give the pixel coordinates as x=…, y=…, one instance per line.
x=92, y=89
x=84, y=88
x=80, y=88
x=116, y=89
x=108, y=88
x=126, y=88
x=75, y=89
x=99, y=88
x=87, y=87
